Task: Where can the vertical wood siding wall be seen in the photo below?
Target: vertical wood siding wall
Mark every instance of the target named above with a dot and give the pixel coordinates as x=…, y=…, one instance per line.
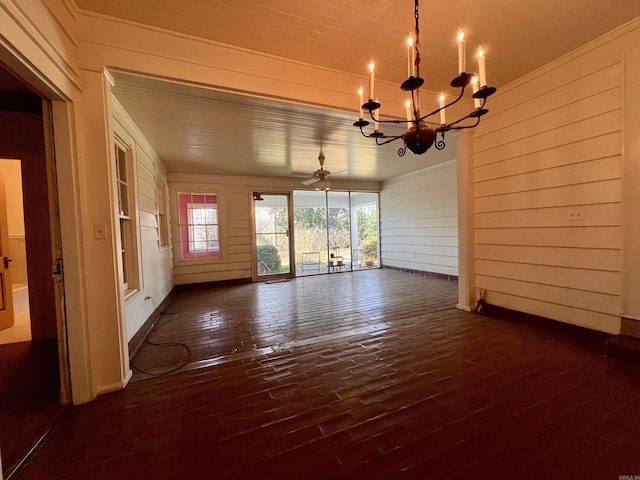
x=548, y=188
x=418, y=220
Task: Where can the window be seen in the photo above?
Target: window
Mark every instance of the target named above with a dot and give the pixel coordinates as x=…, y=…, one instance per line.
x=163, y=221
x=198, y=225
x=124, y=174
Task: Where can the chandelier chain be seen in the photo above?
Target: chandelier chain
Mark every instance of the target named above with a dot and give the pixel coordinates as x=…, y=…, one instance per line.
x=417, y=39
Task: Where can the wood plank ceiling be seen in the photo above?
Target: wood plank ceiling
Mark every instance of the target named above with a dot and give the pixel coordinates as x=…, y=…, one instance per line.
x=204, y=131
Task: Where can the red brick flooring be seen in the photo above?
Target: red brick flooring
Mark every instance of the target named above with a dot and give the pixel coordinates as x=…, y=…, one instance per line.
x=359, y=375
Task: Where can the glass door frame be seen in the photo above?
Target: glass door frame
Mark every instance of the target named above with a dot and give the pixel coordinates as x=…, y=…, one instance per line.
x=254, y=246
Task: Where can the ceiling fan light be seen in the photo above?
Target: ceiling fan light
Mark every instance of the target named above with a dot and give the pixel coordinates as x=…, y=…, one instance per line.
x=322, y=185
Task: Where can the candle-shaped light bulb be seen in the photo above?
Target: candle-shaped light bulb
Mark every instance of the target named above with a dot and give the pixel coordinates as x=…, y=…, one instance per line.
x=371, y=75
x=462, y=67
x=412, y=57
x=442, y=116
x=481, y=67
x=409, y=113
x=375, y=122
x=476, y=101
x=361, y=102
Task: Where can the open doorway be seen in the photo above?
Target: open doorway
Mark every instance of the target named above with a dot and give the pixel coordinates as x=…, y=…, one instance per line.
x=17, y=327
x=30, y=393
x=272, y=227
x=338, y=230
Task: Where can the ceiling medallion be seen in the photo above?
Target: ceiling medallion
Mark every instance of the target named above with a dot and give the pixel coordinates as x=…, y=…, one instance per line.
x=420, y=136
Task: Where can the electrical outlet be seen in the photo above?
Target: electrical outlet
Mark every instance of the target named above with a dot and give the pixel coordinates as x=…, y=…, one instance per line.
x=575, y=215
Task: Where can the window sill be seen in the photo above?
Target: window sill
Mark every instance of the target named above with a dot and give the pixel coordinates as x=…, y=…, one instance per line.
x=130, y=293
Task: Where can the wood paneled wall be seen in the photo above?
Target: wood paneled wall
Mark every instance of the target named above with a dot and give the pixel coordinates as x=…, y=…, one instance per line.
x=548, y=189
x=418, y=220
x=236, y=231
x=155, y=261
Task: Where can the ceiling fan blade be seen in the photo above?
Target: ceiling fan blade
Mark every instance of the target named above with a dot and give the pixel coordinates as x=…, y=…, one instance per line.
x=299, y=174
x=310, y=181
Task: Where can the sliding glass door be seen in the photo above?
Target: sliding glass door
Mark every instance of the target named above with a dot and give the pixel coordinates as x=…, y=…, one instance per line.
x=364, y=230
x=272, y=233
x=335, y=231
x=338, y=229
x=310, y=227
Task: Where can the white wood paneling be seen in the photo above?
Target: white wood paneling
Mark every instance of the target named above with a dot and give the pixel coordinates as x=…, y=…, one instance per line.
x=595, y=302
x=340, y=34
x=548, y=185
x=600, y=214
x=561, y=312
x=631, y=299
x=584, y=194
x=155, y=262
x=589, y=149
x=418, y=220
x=572, y=237
x=582, y=258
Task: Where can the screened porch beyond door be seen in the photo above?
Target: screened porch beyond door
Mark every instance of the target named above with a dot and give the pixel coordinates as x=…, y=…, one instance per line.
x=335, y=231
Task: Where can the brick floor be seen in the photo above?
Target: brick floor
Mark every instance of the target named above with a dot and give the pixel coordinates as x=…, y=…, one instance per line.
x=370, y=374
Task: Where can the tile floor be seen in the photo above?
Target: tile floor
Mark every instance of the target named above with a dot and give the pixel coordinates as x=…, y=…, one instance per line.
x=370, y=374
x=29, y=397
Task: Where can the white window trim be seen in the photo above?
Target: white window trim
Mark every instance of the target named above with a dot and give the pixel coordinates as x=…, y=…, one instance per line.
x=221, y=195
x=161, y=185
x=134, y=273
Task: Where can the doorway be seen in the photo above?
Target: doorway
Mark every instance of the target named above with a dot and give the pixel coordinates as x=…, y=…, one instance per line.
x=30, y=393
x=341, y=228
x=273, y=240
x=15, y=325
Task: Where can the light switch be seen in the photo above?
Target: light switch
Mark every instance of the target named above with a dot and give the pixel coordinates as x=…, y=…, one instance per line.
x=100, y=231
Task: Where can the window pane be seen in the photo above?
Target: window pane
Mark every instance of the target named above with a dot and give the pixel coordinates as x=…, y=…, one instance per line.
x=199, y=229
x=123, y=198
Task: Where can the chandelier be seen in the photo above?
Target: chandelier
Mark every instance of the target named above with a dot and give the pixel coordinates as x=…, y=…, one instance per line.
x=420, y=136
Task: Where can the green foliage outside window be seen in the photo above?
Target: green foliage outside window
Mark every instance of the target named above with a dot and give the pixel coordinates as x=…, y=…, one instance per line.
x=369, y=248
x=269, y=255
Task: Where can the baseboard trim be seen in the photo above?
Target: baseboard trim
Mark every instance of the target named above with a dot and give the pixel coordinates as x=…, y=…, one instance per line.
x=630, y=327
x=138, y=339
x=423, y=273
x=586, y=335
x=466, y=308
x=185, y=287
x=625, y=348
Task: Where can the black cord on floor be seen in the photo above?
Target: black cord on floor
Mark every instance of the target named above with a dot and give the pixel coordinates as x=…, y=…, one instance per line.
x=164, y=344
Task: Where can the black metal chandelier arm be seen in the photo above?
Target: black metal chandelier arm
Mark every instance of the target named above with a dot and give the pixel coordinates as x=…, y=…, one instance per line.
x=450, y=104
x=384, y=121
x=363, y=134
x=389, y=139
x=452, y=126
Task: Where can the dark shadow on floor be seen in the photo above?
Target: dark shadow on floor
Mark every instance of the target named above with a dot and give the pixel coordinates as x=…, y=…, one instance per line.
x=29, y=398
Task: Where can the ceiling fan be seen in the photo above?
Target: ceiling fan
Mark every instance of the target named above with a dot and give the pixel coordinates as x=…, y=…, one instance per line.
x=320, y=176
